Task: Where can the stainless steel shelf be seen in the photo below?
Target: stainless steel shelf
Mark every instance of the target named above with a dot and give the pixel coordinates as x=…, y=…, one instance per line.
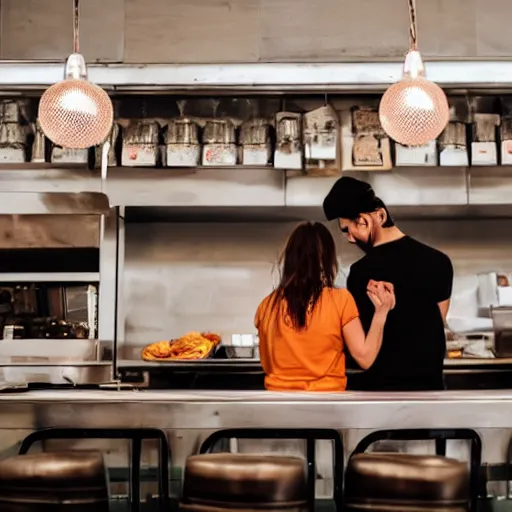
x=253, y=194
x=50, y=277
x=353, y=76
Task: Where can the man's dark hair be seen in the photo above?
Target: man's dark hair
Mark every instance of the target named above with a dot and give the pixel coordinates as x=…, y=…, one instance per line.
x=349, y=198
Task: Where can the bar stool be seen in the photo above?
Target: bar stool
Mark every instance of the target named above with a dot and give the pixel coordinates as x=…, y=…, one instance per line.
x=398, y=482
x=135, y=435
x=218, y=482
x=309, y=435
x=56, y=482
x=440, y=436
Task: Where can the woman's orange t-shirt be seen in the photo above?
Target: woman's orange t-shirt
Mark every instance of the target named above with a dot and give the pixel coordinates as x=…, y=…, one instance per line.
x=311, y=359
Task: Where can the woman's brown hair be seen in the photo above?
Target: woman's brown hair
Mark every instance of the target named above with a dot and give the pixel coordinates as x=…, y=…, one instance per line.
x=308, y=265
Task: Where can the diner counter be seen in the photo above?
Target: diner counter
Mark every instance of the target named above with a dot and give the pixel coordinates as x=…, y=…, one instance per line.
x=255, y=364
x=212, y=410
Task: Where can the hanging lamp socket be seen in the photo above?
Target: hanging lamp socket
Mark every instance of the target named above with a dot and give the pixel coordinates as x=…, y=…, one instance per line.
x=76, y=68
x=413, y=65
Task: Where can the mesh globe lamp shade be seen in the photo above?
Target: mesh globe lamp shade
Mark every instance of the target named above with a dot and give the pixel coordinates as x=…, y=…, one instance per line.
x=76, y=113
x=414, y=111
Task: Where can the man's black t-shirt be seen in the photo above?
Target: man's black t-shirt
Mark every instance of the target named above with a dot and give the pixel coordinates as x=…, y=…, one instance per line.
x=414, y=344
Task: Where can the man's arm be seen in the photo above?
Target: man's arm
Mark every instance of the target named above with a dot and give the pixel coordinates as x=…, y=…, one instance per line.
x=444, y=306
x=445, y=285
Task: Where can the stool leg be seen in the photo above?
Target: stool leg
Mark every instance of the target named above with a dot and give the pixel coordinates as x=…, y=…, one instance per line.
x=163, y=484
x=441, y=447
x=135, y=474
x=311, y=461
x=338, y=475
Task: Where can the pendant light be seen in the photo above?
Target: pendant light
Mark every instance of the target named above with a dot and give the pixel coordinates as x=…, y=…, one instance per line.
x=414, y=111
x=76, y=113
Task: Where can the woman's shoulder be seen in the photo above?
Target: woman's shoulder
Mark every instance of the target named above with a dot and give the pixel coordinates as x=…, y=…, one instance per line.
x=338, y=293
x=269, y=298
x=339, y=297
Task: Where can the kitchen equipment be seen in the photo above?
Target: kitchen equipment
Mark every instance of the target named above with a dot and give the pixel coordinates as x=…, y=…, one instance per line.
x=60, y=155
x=182, y=143
x=453, y=146
x=365, y=144
x=321, y=135
x=288, y=153
x=506, y=131
x=485, y=121
x=12, y=135
x=243, y=346
x=494, y=290
x=255, y=140
x=140, y=144
x=502, y=325
x=219, y=139
x=39, y=146
x=484, y=148
x=112, y=140
x=407, y=156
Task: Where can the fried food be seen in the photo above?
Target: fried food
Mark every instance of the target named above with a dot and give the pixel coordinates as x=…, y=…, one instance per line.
x=193, y=345
x=212, y=337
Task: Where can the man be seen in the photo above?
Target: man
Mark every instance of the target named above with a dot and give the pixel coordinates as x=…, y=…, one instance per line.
x=414, y=344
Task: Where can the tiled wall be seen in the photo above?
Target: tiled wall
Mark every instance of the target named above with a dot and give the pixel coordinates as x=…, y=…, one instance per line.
x=181, y=277
x=253, y=30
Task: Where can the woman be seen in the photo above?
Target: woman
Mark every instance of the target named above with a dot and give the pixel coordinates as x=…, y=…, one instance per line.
x=306, y=324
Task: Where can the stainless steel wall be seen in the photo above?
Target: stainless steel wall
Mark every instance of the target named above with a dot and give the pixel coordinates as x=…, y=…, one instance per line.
x=253, y=30
x=180, y=277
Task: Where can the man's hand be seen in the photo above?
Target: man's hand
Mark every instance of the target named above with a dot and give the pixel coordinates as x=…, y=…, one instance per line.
x=374, y=286
x=382, y=294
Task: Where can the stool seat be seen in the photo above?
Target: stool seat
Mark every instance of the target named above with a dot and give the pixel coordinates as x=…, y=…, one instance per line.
x=244, y=482
x=61, y=481
x=390, y=482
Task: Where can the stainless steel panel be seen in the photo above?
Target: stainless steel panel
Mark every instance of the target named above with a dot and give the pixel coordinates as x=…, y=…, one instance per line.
x=402, y=187
x=278, y=76
x=490, y=185
x=107, y=300
x=46, y=178
x=215, y=410
x=46, y=351
x=201, y=187
x=54, y=203
x=56, y=374
x=51, y=231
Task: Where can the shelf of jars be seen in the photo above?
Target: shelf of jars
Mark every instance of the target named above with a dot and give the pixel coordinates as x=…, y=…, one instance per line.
x=169, y=151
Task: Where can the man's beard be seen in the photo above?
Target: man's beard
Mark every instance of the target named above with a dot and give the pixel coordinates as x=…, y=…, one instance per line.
x=365, y=246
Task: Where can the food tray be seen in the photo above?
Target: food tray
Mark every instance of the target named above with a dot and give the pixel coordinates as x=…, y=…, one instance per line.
x=208, y=355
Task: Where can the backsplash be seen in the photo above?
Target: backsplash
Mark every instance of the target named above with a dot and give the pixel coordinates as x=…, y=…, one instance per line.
x=181, y=277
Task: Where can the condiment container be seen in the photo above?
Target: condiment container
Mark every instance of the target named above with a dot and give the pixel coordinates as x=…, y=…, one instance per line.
x=112, y=158
x=219, y=139
x=365, y=145
x=13, y=138
x=140, y=144
x=255, y=140
x=288, y=152
x=182, y=143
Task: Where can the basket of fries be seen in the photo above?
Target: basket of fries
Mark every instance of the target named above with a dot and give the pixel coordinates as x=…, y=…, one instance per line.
x=190, y=347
